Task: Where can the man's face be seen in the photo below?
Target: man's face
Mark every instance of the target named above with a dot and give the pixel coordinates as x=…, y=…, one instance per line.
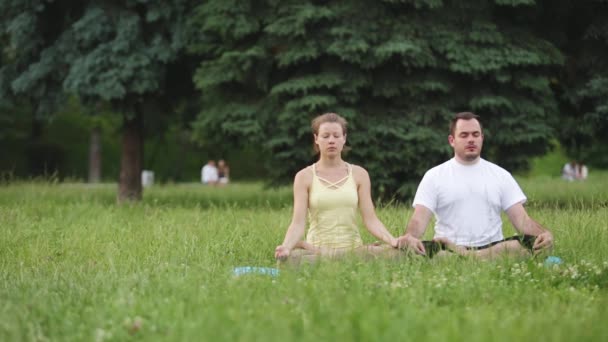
x=467, y=140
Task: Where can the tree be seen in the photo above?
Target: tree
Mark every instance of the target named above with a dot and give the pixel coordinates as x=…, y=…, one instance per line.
x=580, y=30
x=397, y=70
x=128, y=54
x=95, y=155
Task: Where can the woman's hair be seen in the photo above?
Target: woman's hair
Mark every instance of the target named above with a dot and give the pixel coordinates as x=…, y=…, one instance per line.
x=327, y=117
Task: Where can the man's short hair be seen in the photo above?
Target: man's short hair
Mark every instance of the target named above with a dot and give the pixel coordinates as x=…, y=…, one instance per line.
x=463, y=116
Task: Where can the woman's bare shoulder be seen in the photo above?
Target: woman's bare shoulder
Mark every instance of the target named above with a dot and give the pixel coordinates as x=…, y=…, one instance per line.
x=359, y=171
x=304, y=175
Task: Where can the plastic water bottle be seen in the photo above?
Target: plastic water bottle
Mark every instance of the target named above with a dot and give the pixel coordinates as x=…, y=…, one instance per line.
x=553, y=260
x=239, y=271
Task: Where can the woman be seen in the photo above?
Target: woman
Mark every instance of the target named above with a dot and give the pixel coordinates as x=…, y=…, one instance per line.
x=223, y=172
x=331, y=190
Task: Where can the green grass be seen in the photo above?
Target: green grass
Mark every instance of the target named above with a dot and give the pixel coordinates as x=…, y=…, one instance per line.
x=554, y=192
x=550, y=164
x=74, y=266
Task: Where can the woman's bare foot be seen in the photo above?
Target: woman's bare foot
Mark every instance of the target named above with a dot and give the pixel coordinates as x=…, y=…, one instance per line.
x=307, y=246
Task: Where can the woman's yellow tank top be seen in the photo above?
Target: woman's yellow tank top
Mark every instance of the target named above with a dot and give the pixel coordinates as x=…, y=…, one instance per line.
x=332, y=210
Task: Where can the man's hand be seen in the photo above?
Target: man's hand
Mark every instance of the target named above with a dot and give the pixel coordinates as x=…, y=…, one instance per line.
x=281, y=252
x=543, y=240
x=412, y=243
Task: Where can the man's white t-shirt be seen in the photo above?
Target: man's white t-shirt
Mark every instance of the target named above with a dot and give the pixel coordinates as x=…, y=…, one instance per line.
x=568, y=172
x=209, y=174
x=467, y=200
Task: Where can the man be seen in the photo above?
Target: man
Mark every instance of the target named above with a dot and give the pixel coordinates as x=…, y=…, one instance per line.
x=467, y=195
x=569, y=171
x=209, y=173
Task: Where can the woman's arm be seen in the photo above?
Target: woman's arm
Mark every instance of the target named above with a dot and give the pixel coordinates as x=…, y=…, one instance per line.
x=295, y=232
x=368, y=213
x=415, y=229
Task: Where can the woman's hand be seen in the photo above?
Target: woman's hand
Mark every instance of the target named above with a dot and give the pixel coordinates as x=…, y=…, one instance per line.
x=281, y=252
x=407, y=241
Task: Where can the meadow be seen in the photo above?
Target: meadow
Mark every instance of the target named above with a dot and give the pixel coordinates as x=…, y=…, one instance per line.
x=75, y=266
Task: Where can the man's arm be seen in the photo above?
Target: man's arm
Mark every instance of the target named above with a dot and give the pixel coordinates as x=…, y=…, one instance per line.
x=524, y=224
x=415, y=229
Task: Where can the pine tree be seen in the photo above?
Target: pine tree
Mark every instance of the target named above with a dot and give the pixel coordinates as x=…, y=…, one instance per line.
x=580, y=30
x=397, y=70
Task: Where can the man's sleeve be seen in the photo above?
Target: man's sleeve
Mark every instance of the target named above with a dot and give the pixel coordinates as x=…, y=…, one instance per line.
x=426, y=194
x=511, y=192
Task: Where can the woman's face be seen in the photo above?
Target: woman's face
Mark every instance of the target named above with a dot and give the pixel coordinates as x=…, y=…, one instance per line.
x=331, y=139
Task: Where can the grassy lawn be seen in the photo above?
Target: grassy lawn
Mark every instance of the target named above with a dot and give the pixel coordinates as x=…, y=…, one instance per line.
x=76, y=267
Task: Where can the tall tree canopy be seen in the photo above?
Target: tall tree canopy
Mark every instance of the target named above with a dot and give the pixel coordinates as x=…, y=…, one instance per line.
x=129, y=54
x=397, y=70
x=580, y=30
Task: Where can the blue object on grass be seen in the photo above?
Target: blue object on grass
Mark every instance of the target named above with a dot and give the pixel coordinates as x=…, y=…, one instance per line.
x=239, y=271
x=553, y=260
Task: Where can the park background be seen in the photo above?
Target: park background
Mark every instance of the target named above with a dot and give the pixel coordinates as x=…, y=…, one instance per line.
x=93, y=92
x=97, y=91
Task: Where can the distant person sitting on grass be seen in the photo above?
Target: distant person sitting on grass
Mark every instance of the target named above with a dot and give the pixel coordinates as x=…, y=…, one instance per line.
x=582, y=171
x=223, y=172
x=575, y=170
x=209, y=174
x=467, y=195
x=331, y=190
x=569, y=171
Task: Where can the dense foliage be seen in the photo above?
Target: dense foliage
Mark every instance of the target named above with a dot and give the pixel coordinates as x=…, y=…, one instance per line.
x=580, y=29
x=397, y=70
x=127, y=54
x=97, y=50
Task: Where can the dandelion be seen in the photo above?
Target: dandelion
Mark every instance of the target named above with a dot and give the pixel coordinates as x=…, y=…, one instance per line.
x=134, y=325
x=137, y=324
x=102, y=335
x=398, y=285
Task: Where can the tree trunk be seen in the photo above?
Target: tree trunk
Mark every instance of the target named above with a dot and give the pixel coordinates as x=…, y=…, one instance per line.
x=95, y=156
x=130, y=189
